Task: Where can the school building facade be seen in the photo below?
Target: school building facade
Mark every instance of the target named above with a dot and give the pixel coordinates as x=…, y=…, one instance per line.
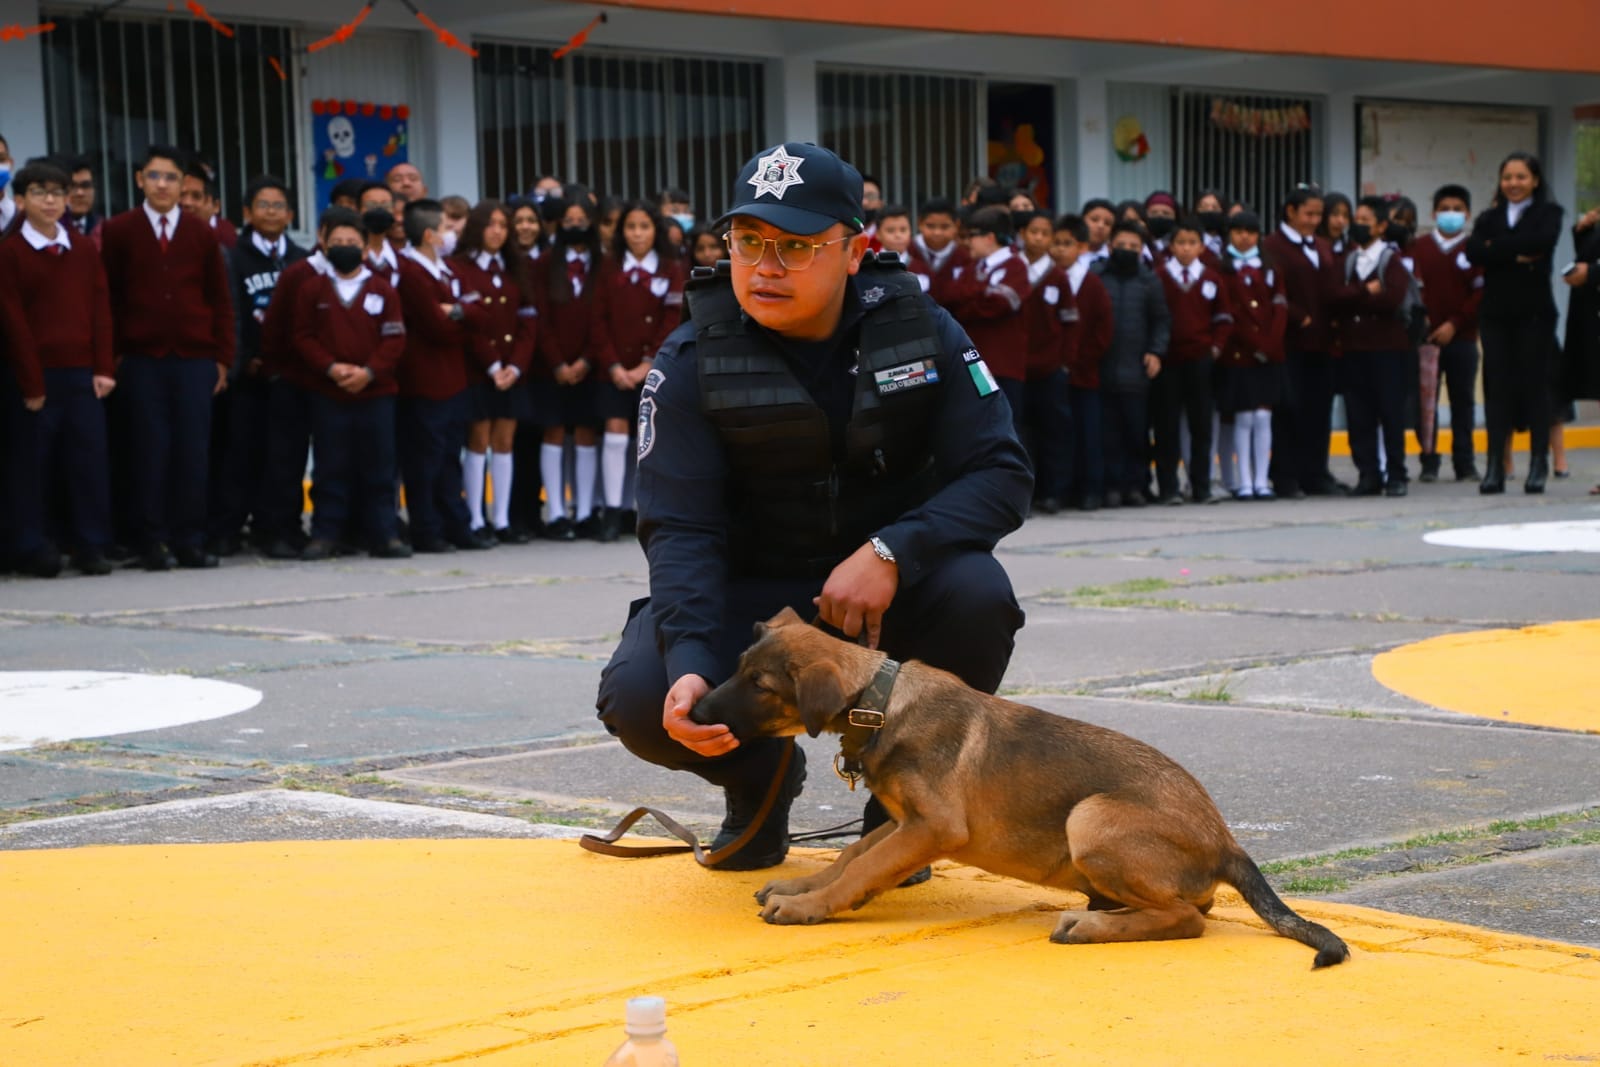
x=1073, y=100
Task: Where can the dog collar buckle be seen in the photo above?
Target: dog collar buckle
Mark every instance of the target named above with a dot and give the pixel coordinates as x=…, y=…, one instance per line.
x=847, y=769
x=869, y=718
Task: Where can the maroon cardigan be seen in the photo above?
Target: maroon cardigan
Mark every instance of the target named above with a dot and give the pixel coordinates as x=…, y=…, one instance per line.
x=168, y=303
x=1308, y=289
x=54, y=310
x=369, y=332
x=1200, y=323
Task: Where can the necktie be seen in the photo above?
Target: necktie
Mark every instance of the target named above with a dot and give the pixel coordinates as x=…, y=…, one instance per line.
x=575, y=276
x=56, y=250
x=161, y=235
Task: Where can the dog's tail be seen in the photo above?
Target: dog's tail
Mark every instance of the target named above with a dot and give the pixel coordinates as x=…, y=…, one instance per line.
x=1241, y=872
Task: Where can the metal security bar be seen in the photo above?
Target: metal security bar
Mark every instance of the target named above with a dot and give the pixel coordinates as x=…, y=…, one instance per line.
x=917, y=133
x=1249, y=147
x=625, y=124
x=115, y=84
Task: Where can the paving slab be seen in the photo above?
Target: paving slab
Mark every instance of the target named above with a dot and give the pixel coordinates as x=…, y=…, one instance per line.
x=1056, y=571
x=26, y=781
x=1553, y=893
x=268, y=815
x=1330, y=683
x=49, y=646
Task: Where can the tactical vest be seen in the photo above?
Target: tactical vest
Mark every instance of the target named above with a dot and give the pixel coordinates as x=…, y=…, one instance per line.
x=796, y=510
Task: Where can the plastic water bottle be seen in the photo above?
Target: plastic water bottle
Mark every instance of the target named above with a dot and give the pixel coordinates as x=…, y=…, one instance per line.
x=647, y=1044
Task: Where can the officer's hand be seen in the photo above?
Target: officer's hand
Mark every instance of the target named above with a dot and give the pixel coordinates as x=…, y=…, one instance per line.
x=103, y=386
x=685, y=693
x=33, y=403
x=1443, y=335
x=857, y=594
x=1578, y=275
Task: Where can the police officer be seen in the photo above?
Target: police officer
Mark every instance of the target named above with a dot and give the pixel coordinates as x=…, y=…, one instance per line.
x=820, y=436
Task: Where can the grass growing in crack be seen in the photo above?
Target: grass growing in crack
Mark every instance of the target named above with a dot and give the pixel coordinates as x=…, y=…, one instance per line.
x=1132, y=585
x=1218, y=692
x=1285, y=866
x=1316, y=885
x=1351, y=713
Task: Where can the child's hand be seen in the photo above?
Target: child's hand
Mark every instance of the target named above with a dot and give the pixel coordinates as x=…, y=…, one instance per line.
x=1443, y=335
x=1152, y=364
x=103, y=386
x=1375, y=287
x=33, y=403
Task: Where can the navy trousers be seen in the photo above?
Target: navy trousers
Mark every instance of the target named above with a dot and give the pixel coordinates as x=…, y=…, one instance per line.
x=1183, y=388
x=244, y=456
x=1088, y=443
x=62, y=445
x=280, y=501
x=1458, y=366
x=961, y=617
x=1126, y=424
x=431, y=434
x=1301, y=426
x=355, y=471
x=1374, y=398
x=169, y=407
x=1049, y=421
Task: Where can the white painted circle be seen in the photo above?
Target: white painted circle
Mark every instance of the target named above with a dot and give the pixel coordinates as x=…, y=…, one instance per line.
x=39, y=707
x=1573, y=536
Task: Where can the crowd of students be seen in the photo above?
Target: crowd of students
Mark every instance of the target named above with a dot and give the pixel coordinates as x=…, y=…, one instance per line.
x=169, y=378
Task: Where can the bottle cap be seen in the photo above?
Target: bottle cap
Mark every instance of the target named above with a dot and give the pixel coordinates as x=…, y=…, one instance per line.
x=647, y=1015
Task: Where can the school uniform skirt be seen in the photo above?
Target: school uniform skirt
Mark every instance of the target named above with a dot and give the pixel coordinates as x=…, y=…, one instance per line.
x=565, y=405
x=619, y=403
x=485, y=402
x=1247, y=386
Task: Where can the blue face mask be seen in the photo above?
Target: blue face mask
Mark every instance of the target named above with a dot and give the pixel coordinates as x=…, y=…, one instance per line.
x=1236, y=254
x=686, y=221
x=1450, y=223
x=5, y=175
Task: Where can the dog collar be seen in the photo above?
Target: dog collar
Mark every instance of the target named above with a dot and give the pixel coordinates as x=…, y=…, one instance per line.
x=865, y=718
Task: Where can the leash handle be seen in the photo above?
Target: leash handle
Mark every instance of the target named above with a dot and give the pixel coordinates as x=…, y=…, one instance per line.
x=605, y=845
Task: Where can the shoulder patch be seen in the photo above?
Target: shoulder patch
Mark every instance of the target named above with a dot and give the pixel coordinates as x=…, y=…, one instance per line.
x=873, y=296
x=647, y=424
x=982, y=380
x=652, y=382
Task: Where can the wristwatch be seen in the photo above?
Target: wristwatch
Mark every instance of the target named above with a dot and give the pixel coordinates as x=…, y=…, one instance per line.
x=882, y=550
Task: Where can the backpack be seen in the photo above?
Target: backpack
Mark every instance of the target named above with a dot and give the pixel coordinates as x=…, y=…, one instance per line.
x=1411, y=311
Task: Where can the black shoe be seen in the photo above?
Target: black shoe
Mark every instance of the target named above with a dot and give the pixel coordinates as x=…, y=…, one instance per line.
x=1495, y=481
x=119, y=553
x=45, y=563
x=1049, y=506
x=195, y=559
x=588, y=529
x=282, y=548
x=1368, y=486
x=1538, y=470
x=434, y=545
x=224, y=546
x=1090, y=502
x=1396, y=487
x=770, y=844
x=157, y=558
x=394, y=548
x=1468, y=474
x=317, y=550
x=610, y=526
x=1430, y=469
x=512, y=535
x=1134, y=498
x=630, y=522
x=1268, y=494
x=559, y=530
x=1559, y=475
x=91, y=562
x=1171, y=500
x=478, y=540
x=1204, y=497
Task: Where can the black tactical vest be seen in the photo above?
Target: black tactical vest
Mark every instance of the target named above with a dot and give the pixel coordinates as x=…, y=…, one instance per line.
x=795, y=510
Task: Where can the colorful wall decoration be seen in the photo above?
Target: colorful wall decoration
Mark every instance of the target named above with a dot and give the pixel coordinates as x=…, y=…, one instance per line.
x=355, y=140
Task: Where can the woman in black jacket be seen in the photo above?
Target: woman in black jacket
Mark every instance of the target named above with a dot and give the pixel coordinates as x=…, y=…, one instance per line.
x=1514, y=242
x=1581, y=369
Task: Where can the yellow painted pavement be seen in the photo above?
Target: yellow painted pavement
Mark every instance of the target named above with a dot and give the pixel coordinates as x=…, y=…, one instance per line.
x=522, y=952
x=1540, y=675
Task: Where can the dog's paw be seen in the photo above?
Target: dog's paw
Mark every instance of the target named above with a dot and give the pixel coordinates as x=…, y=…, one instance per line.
x=782, y=887
x=803, y=910
x=1062, y=935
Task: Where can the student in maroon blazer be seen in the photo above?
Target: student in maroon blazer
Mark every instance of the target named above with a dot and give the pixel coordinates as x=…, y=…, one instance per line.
x=442, y=316
x=1047, y=414
x=1202, y=319
x=936, y=253
x=1374, y=341
x=349, y=336
x=175, y=337
x=1302, y=426
x=56, y=321
x=638, y=301
x=1085, y=336
x=1248, y=383
x=988, y=301
x=497, y=396
x=1451, y=288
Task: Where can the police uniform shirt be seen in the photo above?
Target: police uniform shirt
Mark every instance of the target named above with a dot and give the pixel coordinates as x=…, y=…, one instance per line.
x=683, y=514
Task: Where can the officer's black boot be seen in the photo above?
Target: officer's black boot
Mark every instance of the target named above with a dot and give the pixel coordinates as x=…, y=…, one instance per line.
x=770, y=845
x=1495, y=480
x=874, y=816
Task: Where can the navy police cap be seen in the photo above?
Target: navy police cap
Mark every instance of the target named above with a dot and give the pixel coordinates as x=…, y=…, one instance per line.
x=799, y=188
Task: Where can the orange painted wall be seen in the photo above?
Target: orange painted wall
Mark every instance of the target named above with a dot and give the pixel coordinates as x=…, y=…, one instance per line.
x=1549, y=35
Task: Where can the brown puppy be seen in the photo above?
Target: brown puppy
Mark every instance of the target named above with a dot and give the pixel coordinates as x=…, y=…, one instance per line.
x=1004, y=787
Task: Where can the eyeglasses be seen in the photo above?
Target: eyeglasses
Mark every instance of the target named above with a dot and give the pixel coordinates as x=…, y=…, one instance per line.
x=747, y=247
x=83, y=187
x=270, y=205
x=160, y=177
x=39, y=192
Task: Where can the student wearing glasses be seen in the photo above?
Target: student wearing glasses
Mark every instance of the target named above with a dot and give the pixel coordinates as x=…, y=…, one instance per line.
x=81, y=214
x=819, y=435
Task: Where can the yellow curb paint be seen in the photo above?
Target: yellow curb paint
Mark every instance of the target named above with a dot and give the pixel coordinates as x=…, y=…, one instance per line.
x=1576, y=437
x=388, y=953
x=1540, y=675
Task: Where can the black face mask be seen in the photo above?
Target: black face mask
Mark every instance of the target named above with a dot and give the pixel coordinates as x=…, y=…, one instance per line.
x=1399, y=233
x=1160, y=226
x=574, y=235
x=346, y=258
x=869, y=215
x=1359, y=234
x=377, y=221
x=1211, y=220
x=1124, y=261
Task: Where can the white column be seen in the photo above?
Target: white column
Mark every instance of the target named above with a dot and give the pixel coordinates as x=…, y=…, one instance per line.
x=22, y=121
x=1341, y=145
x=450, y=114
x=792, y=99
x=1092, y=133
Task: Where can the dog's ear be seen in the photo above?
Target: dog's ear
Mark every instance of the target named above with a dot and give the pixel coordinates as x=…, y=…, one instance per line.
x=786, y=617
x=819, y=694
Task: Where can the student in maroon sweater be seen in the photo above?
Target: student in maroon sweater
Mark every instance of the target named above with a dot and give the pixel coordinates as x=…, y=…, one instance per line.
x=988, y=300
x=638, y=301
x=349, y=336
x=1373, y=338
x=568, y=402
x=937, y=254
x=497, y=396
x=1085, y=315
x=1310, y=274
x=56, y=322
x=175, y=337
x=1047, y=415
x=1452, y=286
x=442, y=316
x=1249, y=376
x=1202, y=319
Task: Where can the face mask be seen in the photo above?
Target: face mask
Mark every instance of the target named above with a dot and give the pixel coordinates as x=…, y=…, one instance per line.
x=1161, y=227
x=686, y=221
x=1211, y=220
x=1398, y=233
x=574, y=235
x=869, y=215
x=1360, y=234
x=1237, y=253
x=5, y=175
x=1124, y=261
x=377, y=221
x=345, y=258
x=1451, y=223
x=447, y=242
